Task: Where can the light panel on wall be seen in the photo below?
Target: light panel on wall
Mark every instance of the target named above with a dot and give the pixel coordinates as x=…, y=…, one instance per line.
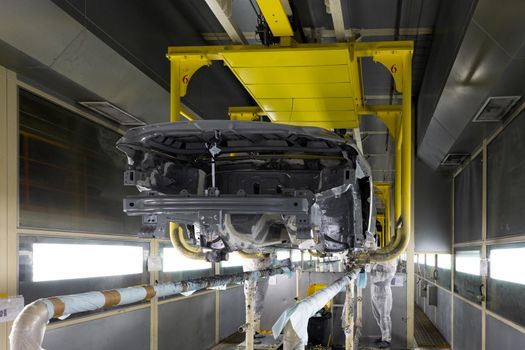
x=506, y=264
x=445, y=261
x=468, y=261
x=174, y=261
x=234, y=259
x=57, y=261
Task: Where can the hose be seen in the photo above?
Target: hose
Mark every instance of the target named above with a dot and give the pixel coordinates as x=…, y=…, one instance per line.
x=179, y=243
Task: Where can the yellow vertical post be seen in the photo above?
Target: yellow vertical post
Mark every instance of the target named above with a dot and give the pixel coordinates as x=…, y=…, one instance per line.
x=397, y=178
x=407, y=186
x=154, y=276
x=175, y=89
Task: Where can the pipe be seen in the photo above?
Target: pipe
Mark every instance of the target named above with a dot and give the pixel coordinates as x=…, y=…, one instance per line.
x=249, y=255
x=249, y=294
x=30, y=325
x=179, y=243
x=299, y=314
x=348, y=325
x=403, y=185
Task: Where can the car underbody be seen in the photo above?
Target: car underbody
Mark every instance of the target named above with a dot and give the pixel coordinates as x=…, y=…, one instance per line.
x=250, y=186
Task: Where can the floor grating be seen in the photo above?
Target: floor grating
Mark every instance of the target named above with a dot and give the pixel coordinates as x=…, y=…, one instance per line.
x=426, y=334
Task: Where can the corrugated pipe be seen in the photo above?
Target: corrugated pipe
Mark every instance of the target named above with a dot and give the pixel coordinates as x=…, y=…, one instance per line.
x=297, y=316
x=179, y=242
x=30, y=325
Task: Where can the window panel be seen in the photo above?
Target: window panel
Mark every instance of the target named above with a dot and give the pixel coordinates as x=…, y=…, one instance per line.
x=296, y=255
x=444, y=261
x=468, y=262
x=86, y=263
x=444, y=265
x=506, y=283
x=430, y=260
x=55, y=261
x=506, y=264
x=174, y=261
x=467, y=279
x=234, y=260
x=283, y=254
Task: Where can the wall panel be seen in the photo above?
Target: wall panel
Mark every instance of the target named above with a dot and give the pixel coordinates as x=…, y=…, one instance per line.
x=187, y=324
x=467, y=326
x=130, y=331
x=503, y=337
x=231, y=311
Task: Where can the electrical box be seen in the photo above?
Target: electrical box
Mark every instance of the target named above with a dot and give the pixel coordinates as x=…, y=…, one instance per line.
x=432, y=296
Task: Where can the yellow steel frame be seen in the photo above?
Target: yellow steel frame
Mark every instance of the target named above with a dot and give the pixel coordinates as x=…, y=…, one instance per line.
x=325, y=81
x=383, y=192
x=381, y=234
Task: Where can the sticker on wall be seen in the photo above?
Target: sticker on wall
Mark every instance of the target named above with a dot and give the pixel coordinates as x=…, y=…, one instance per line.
x=398, y=280
x=10, y=308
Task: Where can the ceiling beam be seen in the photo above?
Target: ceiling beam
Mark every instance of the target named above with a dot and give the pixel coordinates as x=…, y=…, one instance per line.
x=334, y=8
x=276, y=16
x=222, y=9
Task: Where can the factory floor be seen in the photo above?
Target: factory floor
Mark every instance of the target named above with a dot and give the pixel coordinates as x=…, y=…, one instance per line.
x=231, y=346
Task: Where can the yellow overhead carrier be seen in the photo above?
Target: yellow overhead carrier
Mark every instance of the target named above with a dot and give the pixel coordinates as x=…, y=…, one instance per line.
x=301, y=84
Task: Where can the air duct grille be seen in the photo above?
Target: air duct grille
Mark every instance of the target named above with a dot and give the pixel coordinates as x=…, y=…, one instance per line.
x=112, y=112
x=495, y=108
x=454, y=159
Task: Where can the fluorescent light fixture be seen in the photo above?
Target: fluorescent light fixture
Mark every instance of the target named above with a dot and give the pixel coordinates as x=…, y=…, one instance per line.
x=506, y=264
x=174, y=261
x=234, y=259
x=53, y=262
x=112, y=112
x=445, y=261
x=296, y=255
x=283, y=254
x=468, y=261
x=430, y=260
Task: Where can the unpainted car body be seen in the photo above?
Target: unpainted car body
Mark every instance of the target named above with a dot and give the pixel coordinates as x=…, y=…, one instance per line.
x=250, y=185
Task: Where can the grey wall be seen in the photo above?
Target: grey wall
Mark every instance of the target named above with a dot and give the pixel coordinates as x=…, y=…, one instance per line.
x=187, y=324
x=279, y=297
x=130, y=330
x=467, y=326
x=432, y=209
x=502, y=337
x=231, y=311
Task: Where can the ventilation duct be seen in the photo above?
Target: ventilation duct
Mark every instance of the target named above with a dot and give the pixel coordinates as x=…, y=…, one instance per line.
x=454, y=159
x=495, y=108
x=112, y=112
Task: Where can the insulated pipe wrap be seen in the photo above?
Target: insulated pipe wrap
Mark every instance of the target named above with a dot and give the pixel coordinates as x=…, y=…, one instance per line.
x=30, y=326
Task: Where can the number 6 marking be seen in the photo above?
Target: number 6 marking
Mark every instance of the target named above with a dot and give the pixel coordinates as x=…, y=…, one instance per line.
x=393, y=69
